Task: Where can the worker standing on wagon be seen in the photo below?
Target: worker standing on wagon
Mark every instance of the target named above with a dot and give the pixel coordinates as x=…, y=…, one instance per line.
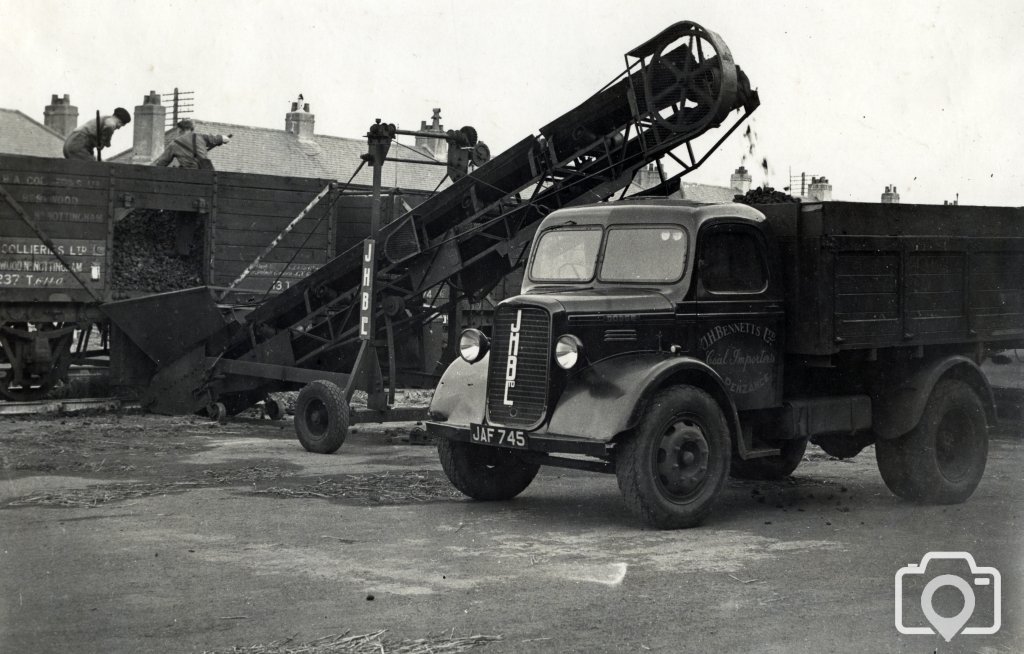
x=89, y=135
x=191, y=148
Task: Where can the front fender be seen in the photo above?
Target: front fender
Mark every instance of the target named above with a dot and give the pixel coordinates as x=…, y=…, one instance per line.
x=608, y=398
x=461, y=394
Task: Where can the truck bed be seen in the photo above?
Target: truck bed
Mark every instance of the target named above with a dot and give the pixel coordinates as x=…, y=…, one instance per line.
x=863, y=276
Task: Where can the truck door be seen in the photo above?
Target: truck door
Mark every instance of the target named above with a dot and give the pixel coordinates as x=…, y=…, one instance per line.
x=740, y=312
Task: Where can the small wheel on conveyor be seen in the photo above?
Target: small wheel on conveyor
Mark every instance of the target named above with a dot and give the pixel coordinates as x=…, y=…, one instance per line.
x=217, y=411
x=321, y=417
x=273, y=408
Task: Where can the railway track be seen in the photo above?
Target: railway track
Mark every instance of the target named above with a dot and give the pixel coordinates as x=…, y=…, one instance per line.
x=58, y=406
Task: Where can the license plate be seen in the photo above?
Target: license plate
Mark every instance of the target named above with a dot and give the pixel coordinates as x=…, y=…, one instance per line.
x=498, y=436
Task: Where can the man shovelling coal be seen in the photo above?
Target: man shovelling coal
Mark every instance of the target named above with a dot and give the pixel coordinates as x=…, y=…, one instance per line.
x=95, y=133
x=191, y=149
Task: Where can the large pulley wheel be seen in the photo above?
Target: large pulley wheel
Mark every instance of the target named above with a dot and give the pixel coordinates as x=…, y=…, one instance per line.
x=34, y=357
x=690, y=83
x=321, y=417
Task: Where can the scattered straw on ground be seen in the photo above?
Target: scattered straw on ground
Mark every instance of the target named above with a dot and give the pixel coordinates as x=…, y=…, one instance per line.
x=246, y=475
x=100, y=494
x=93, y=496
x=404, y=487
x=372, y=643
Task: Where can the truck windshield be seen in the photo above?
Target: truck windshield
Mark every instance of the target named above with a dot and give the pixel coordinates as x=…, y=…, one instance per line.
x=644, y=254
x=566, y=255
x=631, y=254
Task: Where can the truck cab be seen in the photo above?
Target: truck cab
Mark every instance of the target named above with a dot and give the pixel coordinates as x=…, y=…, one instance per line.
x=619, y=303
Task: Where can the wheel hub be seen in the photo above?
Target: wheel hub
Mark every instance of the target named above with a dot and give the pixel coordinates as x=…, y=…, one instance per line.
x=682, y=458
x=952, y=440
x=316, y=417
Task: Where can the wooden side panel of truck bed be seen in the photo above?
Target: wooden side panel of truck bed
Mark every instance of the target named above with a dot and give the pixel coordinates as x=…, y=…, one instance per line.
x=875, y=276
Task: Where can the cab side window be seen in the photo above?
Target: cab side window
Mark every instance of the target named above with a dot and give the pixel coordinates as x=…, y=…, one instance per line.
x=733, y=261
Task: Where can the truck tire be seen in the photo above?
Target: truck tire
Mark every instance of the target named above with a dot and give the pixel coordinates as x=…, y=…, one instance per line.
x=321, y=417
x=484, y=472
x=770, y=468
x=941, y=460
x=671, y=470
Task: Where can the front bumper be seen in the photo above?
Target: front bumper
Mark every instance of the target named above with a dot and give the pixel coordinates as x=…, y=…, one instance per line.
x=538, y=442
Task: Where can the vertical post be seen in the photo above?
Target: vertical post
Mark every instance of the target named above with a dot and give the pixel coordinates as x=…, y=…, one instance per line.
x=175, y=115
x=366, y=373
x=379, y=140
x=99, y=137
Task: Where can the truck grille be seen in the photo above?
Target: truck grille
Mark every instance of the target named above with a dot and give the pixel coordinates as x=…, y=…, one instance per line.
x=528, y=395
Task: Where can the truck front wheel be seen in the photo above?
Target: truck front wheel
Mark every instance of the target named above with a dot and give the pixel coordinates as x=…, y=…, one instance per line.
x=672, y=469
x=941, y=460
x=484, y=472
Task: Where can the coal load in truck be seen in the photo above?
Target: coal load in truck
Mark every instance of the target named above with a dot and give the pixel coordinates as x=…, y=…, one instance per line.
x=765, y=195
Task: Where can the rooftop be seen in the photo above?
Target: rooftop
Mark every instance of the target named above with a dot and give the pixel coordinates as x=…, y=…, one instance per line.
x=278, y=152
x=23, y=135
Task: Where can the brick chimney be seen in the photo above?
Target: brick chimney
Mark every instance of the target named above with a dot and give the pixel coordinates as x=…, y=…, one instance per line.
x=820, y=189
x=890, y=196
x=299, y=121
x=148, y=135
x=740, y=180
x=60, y=115
x=438, y=148
x=647, y=177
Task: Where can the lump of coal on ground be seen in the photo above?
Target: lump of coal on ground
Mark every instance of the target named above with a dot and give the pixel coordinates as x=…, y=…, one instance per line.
x=765, y=195
x=158, y=251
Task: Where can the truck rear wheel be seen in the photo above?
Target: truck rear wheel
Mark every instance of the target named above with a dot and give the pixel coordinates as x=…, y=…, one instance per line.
x=769, y=468
x=941, y=460
x=321, y=417
x=484, y=472
x=672, y=469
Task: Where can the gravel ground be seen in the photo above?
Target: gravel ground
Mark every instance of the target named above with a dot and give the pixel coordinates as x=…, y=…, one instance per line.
x=138, y=533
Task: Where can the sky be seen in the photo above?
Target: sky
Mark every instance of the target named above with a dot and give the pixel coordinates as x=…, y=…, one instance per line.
x=923, y=95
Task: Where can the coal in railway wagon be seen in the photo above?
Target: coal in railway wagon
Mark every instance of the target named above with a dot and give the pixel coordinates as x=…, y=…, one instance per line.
x=121, y=231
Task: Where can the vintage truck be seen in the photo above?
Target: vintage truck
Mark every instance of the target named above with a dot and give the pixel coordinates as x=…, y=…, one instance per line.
x=674, y=344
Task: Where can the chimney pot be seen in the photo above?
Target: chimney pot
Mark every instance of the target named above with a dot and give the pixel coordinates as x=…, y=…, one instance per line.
x=300, y=122
x=148, y=130
x=60, y=115
x=438, y=148
x=740, y=180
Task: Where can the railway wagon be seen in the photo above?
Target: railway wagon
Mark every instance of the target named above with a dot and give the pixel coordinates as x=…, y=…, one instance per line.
x=76, y=234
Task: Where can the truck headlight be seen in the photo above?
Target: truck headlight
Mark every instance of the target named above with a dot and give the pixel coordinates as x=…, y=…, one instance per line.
x=568, y=351
x=473, y=345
